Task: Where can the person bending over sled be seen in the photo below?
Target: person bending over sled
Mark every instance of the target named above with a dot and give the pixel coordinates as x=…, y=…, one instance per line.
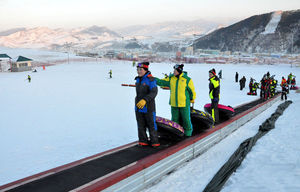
x=146, y=91
x=182, y=93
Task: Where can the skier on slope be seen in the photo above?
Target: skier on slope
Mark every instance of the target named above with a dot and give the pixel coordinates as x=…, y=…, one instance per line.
x=293, y=83
x=236, y=77
x=29, y=78
x=220, y=74
x=284, y=88
x=110, y=74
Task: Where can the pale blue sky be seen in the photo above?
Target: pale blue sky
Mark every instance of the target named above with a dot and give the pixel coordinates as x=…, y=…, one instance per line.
x=120, y=13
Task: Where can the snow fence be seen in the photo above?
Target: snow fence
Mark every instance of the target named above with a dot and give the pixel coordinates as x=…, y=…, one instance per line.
x=245, y=147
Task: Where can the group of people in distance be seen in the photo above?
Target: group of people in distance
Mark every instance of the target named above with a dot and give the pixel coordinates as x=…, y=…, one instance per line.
x=182, y=94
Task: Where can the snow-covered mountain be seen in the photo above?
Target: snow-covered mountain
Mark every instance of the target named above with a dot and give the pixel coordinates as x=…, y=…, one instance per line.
x=271, y=32
x=44, y=37
x=100, y=37
x=175, y=29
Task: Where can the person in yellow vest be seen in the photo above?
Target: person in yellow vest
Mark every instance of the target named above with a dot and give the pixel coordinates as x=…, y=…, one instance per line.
x=182, y=93
x=110, y=74
x=29, y=78
x=214, y=94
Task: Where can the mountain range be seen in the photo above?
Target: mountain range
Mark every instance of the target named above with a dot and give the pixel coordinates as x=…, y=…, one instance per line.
x=101, y=37
x=44, y=37
x=274, y=32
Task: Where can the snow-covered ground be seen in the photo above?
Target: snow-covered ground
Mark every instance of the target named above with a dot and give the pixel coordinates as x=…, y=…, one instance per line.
x=272, y=165
x=69, y=112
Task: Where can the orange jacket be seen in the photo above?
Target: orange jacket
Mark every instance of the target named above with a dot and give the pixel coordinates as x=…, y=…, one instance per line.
x=283, y=82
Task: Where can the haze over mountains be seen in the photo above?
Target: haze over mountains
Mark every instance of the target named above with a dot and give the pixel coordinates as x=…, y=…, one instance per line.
x=277, y=32
x=96, y=36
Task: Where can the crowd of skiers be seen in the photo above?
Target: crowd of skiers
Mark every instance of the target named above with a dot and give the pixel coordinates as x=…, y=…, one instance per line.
x=182, y=94
x=268, y=85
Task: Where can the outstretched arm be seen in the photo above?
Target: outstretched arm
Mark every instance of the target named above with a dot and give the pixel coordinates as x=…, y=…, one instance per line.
x=163, y=82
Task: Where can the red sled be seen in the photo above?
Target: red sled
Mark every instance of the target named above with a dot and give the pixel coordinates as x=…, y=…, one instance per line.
x=225, y=112
x=294, y=88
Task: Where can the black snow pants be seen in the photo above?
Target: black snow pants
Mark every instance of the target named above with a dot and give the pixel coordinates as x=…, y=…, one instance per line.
x=144, y=121
x=283, y=94
x=215, y=110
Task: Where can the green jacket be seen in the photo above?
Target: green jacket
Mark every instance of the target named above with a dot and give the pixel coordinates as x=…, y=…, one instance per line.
x=182, y=89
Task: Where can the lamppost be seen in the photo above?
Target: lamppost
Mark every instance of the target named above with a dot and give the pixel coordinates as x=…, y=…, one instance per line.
x=68, y=46
x=292, y=49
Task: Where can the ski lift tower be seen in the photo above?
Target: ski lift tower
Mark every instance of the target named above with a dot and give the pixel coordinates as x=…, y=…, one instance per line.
x=292, y=49
x=68, y=46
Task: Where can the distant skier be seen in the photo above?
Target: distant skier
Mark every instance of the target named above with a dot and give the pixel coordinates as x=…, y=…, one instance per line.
x=110, y=74
x=165, y=75
x=133, y=63
x=255, y=87
x=146, y=91
x=220, y=74
x=242, y=82
x=289, y=79
x=236, y=77
x=251, y=84
x=29, y=78
x=293, y=83
x=284, y=88
x=273, y=84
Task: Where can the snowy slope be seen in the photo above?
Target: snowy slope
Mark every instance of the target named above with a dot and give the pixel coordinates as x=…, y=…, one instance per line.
x=69, y=112
x=273, y=23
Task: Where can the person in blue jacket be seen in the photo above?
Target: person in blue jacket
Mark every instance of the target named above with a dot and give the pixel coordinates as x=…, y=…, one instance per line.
x=146, y=91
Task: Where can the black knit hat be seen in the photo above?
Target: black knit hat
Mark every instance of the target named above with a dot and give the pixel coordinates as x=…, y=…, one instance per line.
x=179, y=68
x=213, y=71
x=144, y=65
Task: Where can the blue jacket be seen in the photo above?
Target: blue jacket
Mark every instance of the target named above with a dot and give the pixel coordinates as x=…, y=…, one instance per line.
x=146, y=88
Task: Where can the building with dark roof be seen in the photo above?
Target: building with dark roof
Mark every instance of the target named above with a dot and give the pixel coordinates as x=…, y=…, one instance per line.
x=21, y=64
x=5, y=62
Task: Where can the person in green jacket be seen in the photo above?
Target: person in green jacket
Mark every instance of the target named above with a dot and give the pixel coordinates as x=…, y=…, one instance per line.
x=182, y=93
